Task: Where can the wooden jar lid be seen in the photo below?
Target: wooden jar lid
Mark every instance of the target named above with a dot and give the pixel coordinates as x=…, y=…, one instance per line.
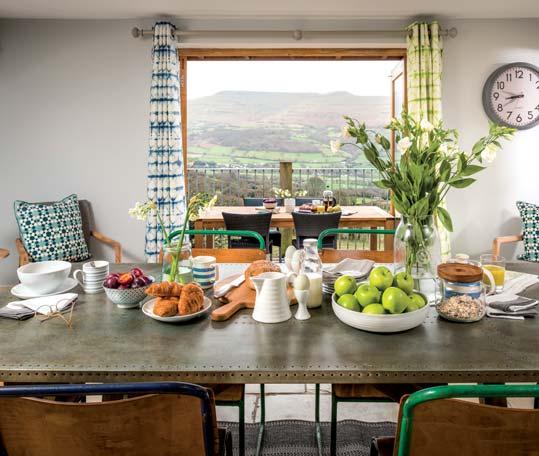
x=460, y=272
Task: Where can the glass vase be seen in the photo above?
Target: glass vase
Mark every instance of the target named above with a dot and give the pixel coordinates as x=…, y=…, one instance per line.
x=417, y=251
x=177, y=267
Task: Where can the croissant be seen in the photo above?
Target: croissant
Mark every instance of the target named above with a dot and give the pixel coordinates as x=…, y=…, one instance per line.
x=165, y=290
x=191, y=300
x=166, y=307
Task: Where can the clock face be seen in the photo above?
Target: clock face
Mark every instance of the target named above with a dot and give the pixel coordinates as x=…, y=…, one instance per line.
x=511, y=96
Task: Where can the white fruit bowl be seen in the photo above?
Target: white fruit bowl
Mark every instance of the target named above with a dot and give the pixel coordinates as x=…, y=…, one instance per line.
x=387, y=323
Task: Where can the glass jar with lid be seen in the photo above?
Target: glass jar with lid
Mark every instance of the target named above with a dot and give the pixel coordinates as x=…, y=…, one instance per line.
x=311, y=266
x=463, y=291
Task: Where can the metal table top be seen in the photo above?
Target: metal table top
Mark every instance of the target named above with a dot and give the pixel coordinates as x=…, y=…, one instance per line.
x=107, y=344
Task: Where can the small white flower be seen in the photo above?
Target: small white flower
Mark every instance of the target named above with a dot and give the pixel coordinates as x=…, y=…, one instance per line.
x=489, y=154
x=426, y=125
x=335, y=146
x=404, y=144
x=344, y=132
x=443, y=149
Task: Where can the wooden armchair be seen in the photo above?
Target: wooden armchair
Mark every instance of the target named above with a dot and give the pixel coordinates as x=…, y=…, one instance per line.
x=4, y=253
x=528, y=267
x=88, y=230
x=499, y=241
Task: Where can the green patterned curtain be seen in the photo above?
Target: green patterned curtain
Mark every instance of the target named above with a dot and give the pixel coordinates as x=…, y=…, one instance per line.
x=424, y=83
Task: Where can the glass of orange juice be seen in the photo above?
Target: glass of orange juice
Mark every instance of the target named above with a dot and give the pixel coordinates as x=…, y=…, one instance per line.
x=496, y=265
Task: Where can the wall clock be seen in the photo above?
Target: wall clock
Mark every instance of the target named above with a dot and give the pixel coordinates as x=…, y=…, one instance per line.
x=511, y=95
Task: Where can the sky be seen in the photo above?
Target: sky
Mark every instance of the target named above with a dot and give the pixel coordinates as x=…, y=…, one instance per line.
x=358, y=77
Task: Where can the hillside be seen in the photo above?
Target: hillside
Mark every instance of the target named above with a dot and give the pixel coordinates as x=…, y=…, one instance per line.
x=236, y=128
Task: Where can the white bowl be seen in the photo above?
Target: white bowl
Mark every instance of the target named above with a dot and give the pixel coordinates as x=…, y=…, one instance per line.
x=386, y=323
x=147, y=308
x=44, y=276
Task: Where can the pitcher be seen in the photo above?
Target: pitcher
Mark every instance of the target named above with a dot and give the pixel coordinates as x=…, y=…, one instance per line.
x=272, y=304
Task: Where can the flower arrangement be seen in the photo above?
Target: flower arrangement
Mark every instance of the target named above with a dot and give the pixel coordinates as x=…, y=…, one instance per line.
x=197, y=204
x=285, y=193
x=431, y=164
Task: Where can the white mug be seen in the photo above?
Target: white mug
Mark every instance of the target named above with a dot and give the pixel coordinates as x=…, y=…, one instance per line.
x=92, y=276
x=205, y=271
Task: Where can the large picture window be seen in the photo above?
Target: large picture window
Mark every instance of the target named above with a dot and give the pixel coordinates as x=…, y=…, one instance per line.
x=245, y=111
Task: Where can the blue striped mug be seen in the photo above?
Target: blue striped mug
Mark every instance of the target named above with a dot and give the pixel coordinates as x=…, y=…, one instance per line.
x=205, y=271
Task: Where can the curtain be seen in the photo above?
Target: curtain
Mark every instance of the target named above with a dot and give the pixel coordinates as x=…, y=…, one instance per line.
x=424, y=83
x=165, y=184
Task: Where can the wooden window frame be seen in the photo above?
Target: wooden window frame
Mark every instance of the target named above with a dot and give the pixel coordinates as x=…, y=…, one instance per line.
x=186, y=54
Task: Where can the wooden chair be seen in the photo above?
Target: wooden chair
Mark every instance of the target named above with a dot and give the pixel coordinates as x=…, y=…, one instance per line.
x=88, y=224
x=166, y=419
x=430, y=423
x=350, y=392
x=4, y=253
x=233, y=395
x=528, y=267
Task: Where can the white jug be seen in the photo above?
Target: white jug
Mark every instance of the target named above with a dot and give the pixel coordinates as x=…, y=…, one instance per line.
x=272, y=304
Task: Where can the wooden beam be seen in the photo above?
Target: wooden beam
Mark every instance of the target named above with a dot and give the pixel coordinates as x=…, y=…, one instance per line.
x=294, y=53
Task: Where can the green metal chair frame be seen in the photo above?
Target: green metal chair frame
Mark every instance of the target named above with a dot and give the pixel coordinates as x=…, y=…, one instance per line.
x=454, y=391
x=334, y=399
x=241, y=403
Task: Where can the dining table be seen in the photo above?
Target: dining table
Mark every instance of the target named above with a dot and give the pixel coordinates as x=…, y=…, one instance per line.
x=109, y=344
x=352, y=217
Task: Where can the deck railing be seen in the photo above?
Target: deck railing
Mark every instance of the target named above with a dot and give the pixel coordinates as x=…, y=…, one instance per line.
x=351, y=186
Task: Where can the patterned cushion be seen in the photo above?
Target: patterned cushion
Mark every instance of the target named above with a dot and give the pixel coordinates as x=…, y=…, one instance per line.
x=52, y=231
x=529, y=213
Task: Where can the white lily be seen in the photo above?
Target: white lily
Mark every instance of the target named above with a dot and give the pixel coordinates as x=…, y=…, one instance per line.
x=426, y=125
x=335, y=146
x=404, y=144
x=345, y=133
x=489, y=154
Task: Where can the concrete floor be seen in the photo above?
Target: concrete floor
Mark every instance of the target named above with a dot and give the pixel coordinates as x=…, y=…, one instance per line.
x=297, y=402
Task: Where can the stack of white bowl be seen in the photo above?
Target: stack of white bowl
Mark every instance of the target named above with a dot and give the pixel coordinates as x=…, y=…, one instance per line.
x=92, y=275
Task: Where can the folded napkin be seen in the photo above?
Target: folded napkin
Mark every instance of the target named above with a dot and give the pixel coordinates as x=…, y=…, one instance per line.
x=508, y=304
x=21, y=310
x=349, y=266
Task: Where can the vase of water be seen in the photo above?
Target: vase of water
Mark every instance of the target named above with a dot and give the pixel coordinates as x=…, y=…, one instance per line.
x=177, y=266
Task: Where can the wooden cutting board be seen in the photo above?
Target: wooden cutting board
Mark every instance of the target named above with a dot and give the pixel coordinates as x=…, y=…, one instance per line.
x=238, y=298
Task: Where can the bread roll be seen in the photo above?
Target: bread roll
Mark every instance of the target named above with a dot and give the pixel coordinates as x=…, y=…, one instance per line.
x=259, y=267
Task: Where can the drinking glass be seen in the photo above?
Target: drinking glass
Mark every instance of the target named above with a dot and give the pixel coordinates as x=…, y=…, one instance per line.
x=496, y=265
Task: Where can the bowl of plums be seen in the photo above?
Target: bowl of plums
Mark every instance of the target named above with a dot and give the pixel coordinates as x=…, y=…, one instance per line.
x=127, y=289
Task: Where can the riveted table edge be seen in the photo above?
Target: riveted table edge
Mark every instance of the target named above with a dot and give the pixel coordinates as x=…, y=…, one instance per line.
x=243, y=377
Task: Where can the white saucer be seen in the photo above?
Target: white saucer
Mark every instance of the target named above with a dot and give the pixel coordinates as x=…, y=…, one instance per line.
x=147, y=308
x=23, y=292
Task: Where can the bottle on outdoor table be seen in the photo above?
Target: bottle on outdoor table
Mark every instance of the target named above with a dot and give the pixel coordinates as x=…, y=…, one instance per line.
x=312, y=268
x=327, y=196
x=463, y=291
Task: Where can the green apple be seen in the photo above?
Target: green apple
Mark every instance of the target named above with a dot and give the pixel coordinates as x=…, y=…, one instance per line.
x=367, y=294
x=374, y=309
x=411, y=305
x=345, y=285
x=418, y=300
x=404, y=281
x=348, y=301
x=381, y=278
x=395, y=300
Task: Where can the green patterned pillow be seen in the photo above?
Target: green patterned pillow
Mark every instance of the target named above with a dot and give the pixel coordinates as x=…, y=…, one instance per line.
x=52, y=231
x=529, y=213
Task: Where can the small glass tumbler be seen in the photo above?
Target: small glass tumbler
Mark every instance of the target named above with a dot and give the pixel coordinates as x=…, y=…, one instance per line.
x=496, y=265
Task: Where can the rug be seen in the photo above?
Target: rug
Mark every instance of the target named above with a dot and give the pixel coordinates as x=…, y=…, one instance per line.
x=297, y=438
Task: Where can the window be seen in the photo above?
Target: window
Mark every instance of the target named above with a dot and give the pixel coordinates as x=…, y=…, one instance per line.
x=247, y=112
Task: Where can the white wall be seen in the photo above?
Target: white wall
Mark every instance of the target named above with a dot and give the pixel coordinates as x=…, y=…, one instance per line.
x=73, y=119
x=487, y=208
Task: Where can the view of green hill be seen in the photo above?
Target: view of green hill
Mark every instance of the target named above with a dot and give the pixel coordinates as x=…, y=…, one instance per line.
x=245, y=129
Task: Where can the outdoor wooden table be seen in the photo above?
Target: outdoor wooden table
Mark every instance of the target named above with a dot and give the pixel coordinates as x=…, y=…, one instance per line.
x=108, y=344
x=361, y=217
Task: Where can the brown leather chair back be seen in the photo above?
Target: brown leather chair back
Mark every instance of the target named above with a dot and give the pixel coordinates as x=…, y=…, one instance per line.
x=452, y=427
x=163, y=424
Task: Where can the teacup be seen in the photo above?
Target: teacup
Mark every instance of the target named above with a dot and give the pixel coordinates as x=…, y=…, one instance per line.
x=44, y=277
x=205, y=271
x=92, y=275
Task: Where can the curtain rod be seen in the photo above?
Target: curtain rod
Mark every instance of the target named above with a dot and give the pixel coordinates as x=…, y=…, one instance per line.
x=296, y=35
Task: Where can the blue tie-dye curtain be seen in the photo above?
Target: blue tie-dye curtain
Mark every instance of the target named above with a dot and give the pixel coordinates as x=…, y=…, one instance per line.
x=165, y=161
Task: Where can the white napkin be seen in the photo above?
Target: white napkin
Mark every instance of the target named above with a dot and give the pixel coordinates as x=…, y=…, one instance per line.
x=349, y=266
x=510, y=292
x=44, y=305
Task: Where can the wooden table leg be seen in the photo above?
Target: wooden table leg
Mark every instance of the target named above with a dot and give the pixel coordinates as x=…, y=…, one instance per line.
x=199, y=240
x=388, y=239
x=374, y=239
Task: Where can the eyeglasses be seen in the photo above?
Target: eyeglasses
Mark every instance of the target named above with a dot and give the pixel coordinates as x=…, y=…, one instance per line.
x=47, y=312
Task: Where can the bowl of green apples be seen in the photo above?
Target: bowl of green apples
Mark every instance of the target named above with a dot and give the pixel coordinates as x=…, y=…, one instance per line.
x=385, y=303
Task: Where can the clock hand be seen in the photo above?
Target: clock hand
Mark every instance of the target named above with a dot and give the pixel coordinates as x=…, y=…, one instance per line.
x=514, y=97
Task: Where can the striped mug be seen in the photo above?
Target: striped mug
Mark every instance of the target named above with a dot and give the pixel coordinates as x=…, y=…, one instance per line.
x=205, y=271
